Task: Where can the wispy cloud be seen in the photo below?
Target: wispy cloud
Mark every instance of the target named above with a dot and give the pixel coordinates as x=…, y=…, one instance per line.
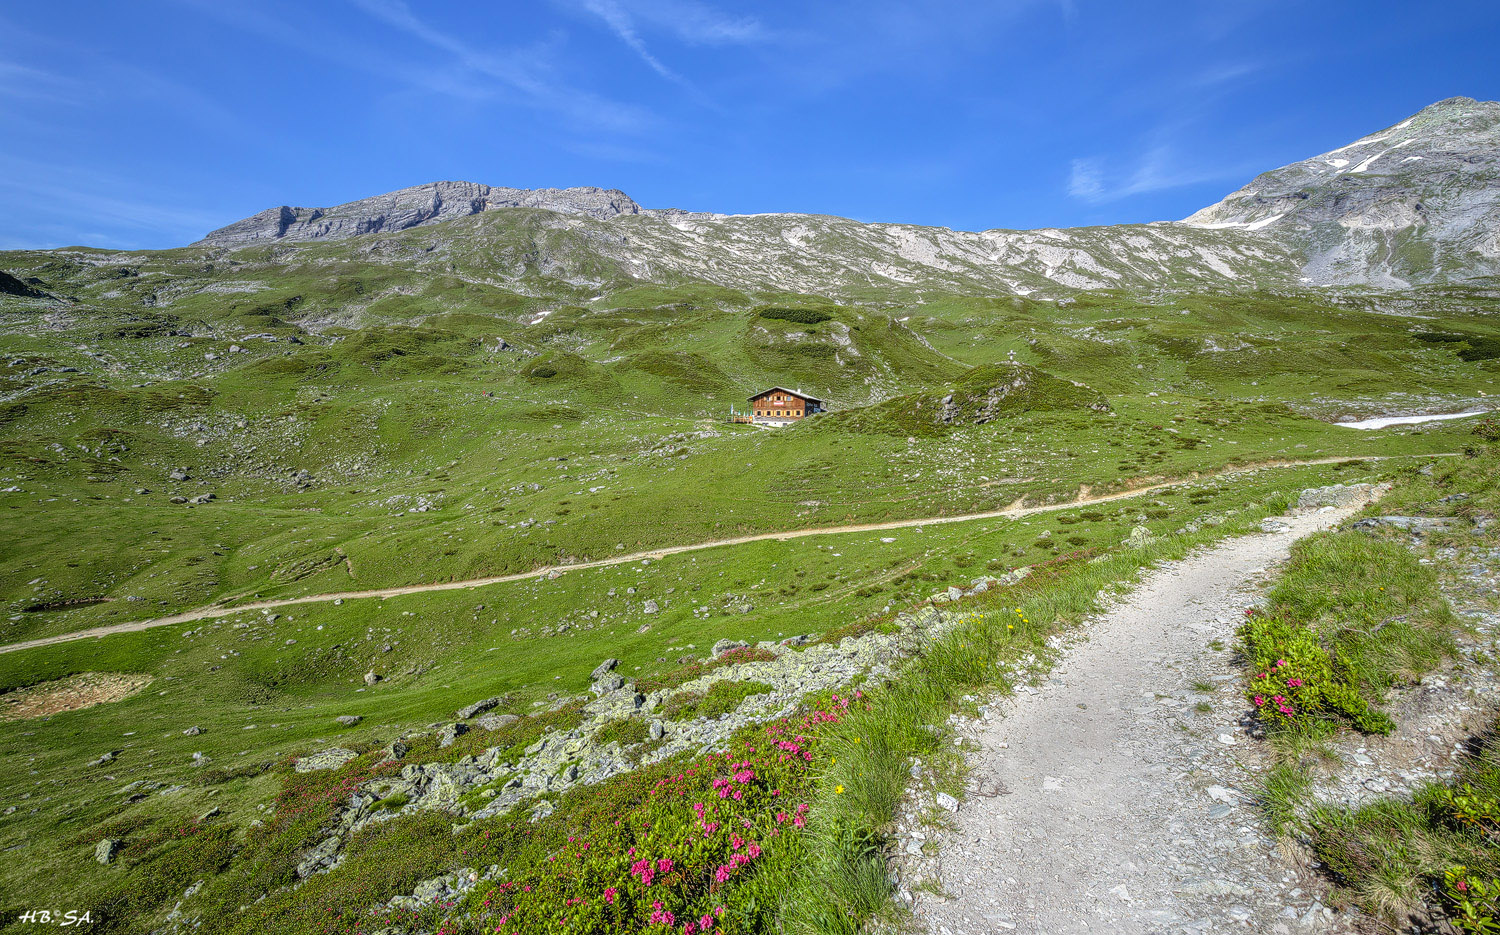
x=1092, y=179
x=525, y=71
x=84, y=205
x=623, y=26
x=685, y=21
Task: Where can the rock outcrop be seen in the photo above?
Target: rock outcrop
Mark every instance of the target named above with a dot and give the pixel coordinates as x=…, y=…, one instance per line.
x=432, y=203
x=1414, y=203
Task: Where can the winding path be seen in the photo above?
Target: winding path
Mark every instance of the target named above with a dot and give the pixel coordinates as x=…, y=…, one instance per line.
x=1126, y=778
x=219, y=610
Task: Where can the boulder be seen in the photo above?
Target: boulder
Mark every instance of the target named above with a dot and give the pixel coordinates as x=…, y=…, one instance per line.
x=603, y=669
x=478, y=707
x=452, y=732
x=496, y=721
x=1334, y=495
x=348, y=720
x=371, y=678
x=724, y=646
x=332, y=758
x=1139, y=537
x=396, y=751
x=106, y=849
x=650, y=607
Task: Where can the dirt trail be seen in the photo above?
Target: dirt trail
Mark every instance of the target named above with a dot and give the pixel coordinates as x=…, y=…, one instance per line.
x=1012, y=512
x=1127, y=776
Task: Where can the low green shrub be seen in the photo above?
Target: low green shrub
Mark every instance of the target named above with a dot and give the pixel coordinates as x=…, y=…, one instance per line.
x=803, y=316
x=1299, y=682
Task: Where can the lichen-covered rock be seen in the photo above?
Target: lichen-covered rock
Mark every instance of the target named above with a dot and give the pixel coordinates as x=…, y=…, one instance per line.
x=332, y=758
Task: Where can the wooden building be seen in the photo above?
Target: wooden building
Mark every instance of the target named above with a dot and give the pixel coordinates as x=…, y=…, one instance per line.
x=781, y=406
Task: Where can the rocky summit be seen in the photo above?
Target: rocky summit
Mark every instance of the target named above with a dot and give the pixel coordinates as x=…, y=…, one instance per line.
x=1415, y=203
x=432, y=203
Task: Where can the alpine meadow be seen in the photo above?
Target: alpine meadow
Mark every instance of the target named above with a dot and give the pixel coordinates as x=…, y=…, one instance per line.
x=421, y=564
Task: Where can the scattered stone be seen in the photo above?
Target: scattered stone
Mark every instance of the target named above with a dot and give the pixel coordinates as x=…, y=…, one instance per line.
x=371, y=678
x=946, y=802
x=192, y=731
x=650, y=607
x=106, y=849
x=348, y=720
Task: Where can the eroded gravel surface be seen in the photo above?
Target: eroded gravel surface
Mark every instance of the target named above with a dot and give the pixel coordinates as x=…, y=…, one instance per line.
x=1123, y=789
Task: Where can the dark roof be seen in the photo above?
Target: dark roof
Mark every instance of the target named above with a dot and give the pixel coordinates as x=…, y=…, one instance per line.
x=797, y=393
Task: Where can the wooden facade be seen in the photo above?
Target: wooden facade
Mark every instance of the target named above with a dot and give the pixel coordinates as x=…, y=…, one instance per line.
x=781, y=406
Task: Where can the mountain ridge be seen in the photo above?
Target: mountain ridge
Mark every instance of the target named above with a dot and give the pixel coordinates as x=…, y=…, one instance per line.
x=1415, y=203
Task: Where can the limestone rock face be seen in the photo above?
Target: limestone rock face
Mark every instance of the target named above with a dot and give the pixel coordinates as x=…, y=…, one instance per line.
x=1407, y=205
x=432, y=203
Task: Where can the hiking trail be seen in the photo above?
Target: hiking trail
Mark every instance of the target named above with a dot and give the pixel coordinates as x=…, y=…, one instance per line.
x=1115, y=796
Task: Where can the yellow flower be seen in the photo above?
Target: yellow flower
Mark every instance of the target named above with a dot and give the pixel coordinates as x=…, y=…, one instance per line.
x=856, y=740
x=839, y=790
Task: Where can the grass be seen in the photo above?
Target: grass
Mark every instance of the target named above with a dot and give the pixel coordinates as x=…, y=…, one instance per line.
x=385, y=437
x=1373, y=607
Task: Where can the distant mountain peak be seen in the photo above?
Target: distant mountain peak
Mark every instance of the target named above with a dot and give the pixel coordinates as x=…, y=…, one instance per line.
x=1416, y=201
x=431, y=203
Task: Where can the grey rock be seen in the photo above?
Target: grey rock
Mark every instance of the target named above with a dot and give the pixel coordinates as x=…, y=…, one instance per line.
x=396, y=750
x=650, y=607
x=106, y=849
x=371, y=678
x=178, y=474
x=332, y=758
x=603, y=669
x=478, y=707
x=1416, y=525
x=1428, y=181
x=452, y=732
x=192, y=731
x=496, y=721
x=724, y=646
x=348, y=720
x=432, y=203
x=1140, y=537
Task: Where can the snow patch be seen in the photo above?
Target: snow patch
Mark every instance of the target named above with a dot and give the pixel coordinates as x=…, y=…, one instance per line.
x=1386, y=421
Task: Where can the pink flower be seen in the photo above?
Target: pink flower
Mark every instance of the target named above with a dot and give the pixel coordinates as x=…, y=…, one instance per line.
x=664, y=865
x=1259, y=701
x=1294, y=683
x=609, y=895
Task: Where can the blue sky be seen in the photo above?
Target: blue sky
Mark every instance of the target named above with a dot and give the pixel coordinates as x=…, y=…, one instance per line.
x=146, y=124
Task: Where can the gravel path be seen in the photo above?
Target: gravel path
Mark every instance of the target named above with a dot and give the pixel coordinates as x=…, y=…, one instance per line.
x=220, y=610
x=1120, y=806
